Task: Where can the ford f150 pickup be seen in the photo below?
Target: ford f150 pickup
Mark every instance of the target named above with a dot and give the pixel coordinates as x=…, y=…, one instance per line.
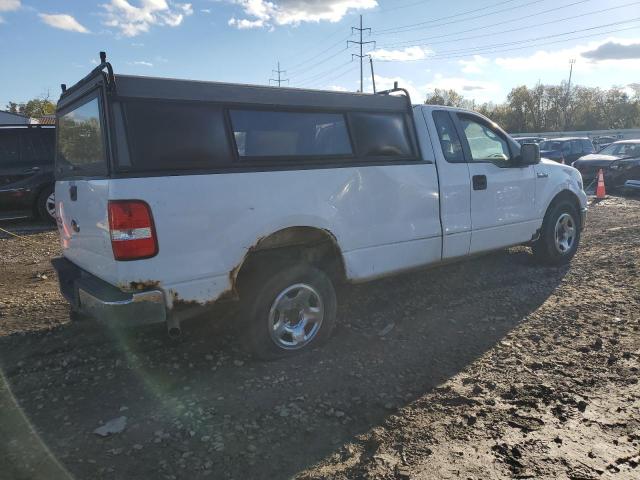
x=176, y=196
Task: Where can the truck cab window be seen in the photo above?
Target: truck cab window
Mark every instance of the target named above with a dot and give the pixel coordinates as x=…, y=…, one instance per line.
x=449, y=140
x=485, y=144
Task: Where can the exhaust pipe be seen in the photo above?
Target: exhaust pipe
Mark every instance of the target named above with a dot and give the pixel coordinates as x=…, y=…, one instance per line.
x=173, y=328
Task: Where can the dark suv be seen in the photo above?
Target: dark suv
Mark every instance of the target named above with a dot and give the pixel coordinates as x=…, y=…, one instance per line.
x=566, y=150
x=26, y=171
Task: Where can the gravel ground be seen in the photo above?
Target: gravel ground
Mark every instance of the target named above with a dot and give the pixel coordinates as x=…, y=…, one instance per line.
x=491, y=368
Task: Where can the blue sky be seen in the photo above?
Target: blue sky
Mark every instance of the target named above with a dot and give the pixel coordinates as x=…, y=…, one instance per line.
x=481, y=48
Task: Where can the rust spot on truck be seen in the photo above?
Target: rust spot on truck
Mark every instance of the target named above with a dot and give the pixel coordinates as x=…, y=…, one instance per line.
x=143, y=285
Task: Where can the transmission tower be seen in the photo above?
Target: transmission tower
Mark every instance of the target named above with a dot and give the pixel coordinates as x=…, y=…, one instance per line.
x=278, y=80
x=361, y=43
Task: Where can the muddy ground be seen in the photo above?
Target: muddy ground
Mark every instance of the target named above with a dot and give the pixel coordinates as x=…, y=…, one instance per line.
x=492, y=368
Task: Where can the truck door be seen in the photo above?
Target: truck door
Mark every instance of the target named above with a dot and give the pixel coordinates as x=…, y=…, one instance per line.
x=502, y=191
x=454, y=183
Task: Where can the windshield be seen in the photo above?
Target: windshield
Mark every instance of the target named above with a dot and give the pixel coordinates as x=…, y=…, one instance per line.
x=551, y=146
x=625, y=150
x=80, y=141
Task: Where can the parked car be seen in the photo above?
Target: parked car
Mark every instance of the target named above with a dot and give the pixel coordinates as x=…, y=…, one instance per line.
x=523, y=140
x=632, y=185
x=176, y=196
x=26, y=171
x=566, y=150
x=601, y=142
x=619, y=162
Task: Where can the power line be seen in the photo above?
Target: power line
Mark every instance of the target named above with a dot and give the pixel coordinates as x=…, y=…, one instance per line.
x=300, y=64
x=322, y=74
x=361, y=44
x=279, y=80
x=489, y=48
x=396, y=29
x=416, y=41
x=351, y=67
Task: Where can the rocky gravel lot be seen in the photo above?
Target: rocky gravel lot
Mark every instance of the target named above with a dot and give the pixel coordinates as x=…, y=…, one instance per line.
x=492, y=368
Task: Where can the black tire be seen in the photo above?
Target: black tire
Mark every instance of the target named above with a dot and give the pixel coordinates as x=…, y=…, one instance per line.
x=544, y=249
x=41, y=205
x=257, y=299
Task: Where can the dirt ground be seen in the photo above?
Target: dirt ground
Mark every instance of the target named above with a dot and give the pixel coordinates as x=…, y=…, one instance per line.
x=491, y=368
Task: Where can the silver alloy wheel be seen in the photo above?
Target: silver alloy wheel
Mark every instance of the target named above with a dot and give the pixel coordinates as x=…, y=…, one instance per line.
x=50, y=205
x=565, y=233
x=295, y=316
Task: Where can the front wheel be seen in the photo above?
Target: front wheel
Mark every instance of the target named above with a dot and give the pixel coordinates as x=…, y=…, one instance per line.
x=559, y=236
x=288, y=310
x=46, y=205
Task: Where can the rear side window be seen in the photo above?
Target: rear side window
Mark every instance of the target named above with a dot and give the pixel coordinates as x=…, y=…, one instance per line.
x=381, y=135
x=587, y=146
x=449, y=140
x=38, y=146
x=9, y=147
x=260, y=133
x=80, y=141
x=175, y=136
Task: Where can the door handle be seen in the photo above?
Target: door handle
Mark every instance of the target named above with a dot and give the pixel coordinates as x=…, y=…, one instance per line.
x=479, y=182
x=73, y=193
x=542, y=174
x=32, y=170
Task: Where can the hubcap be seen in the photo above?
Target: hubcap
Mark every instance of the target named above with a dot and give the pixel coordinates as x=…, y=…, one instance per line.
x=565, y=233
x=295, y=316
x=50, y=205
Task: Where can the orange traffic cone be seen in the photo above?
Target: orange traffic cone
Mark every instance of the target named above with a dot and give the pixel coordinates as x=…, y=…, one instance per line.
x=600, y=190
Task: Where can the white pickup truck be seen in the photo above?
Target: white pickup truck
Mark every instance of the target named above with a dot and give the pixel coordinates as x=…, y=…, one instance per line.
x=174, y=197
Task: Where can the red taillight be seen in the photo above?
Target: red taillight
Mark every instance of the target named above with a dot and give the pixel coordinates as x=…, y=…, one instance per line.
x=133, y=234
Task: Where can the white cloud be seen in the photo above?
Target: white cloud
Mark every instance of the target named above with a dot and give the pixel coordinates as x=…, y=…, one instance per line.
x=406, y=55
x=474, y=66
x=63, y=22
x=141, y=63
x=418, y=94
x=265, y=13
x=337, y=88
x=132, y=20
x=9, y=5
x=481, y=91
x=589, y=57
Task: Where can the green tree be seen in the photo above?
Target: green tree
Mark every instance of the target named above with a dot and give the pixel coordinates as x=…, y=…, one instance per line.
x=35, y=108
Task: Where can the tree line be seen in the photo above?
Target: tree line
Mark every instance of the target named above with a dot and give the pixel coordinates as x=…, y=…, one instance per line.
x=548, y=108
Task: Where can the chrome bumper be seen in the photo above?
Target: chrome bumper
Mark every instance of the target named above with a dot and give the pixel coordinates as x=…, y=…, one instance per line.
x=140, y=309
x=96, y=298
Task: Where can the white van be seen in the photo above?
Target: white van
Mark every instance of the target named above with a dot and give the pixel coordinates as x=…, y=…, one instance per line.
x=176, y=196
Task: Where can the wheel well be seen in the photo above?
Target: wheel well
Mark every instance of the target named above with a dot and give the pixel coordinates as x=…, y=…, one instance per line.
x=293, y=245
x=567, y=195
x=39, y=191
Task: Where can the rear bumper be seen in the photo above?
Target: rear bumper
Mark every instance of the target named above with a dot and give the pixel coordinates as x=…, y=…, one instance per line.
x=94, y=297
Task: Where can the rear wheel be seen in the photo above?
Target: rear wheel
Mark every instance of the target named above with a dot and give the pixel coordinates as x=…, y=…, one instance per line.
x=46, y=205
x=288, y=309
x=560, y=234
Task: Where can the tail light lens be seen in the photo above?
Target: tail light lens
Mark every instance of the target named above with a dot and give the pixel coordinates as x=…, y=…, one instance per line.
x=133, y=234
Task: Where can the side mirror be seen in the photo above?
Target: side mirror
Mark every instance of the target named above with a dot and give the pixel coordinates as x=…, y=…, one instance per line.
x=529, y=154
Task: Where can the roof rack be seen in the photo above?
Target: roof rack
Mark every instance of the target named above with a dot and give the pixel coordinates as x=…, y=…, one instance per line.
x=396, y=89
x=111, y=82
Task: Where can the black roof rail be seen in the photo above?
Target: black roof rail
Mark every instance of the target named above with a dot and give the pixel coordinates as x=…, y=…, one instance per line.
x=396, y=89
x=111, y=82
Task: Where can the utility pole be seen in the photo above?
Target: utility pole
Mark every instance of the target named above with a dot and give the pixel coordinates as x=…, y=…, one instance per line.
x=373, y=77
x=279, y=80
x=566, y=102
x=361, y=44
